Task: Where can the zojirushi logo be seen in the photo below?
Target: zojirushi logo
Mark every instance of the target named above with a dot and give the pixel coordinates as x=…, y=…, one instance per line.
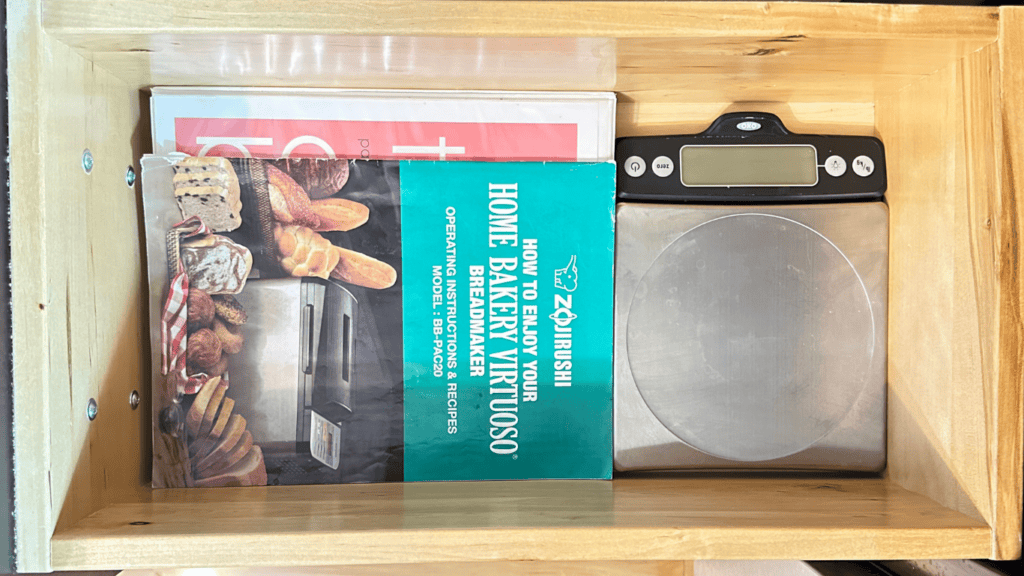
x=563, y=317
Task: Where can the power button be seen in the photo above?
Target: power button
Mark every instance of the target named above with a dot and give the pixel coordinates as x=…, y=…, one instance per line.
x=635, y=166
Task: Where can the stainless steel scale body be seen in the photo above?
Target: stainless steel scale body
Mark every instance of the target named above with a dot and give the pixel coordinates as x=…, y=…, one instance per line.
x=749, y=337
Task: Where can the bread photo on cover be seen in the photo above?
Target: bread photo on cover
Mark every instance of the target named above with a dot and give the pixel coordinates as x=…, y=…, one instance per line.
x=214, y=467
x=303, y=252
x=208, y=188
x=362, y=270
x=201, y=310
x=222, y=451
x=211, y=451
x=200, y=447
x=319, y=178
x=229, y=309
x=339, y=214
x=249, y=471
x=288, y=200
x=216, y=265
x=202, y=350
x=230, y=336
x=200, y=417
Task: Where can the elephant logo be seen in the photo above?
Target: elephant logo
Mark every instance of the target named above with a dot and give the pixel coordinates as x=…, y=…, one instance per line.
x=565, y=278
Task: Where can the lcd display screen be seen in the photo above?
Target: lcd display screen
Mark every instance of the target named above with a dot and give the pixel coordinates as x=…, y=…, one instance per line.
x=745, y=165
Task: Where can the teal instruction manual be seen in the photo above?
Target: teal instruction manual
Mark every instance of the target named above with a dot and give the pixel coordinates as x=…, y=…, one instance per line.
x=507, y=310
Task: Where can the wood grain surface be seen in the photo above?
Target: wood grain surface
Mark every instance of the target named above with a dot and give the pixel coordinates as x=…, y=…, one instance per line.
x=628, y=519
x=955, y=324
x=701, y=51
x=1007, y=446
x=509, y=568
x=76, y=282
x=940, y=85
x=111, y=23
x=938, y=402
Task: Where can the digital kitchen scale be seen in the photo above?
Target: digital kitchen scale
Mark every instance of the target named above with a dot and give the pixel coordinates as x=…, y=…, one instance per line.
x=750, y=300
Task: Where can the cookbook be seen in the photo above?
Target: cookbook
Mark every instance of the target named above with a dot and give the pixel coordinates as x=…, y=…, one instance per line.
x=476, y=125
x=336, y=321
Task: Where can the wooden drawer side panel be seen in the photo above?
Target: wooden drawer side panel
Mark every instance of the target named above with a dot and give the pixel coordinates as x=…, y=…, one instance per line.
x=1008, y=444
x=77, y=288
x=955, y=325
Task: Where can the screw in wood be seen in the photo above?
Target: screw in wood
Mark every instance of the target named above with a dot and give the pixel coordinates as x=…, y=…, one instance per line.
x=87, y=161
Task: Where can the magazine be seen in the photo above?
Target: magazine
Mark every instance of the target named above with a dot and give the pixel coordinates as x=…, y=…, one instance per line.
x=384, y=124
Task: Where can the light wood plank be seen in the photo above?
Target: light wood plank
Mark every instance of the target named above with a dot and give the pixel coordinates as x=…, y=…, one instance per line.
x=32, y=494
x=954, y=327
x=652, y=519
x=689, y=68
x=76, y=272
x=787, y=68
x=1007, y=459
x=695, y=51
x=519, y=568
x=937, y=402
x=119, y=24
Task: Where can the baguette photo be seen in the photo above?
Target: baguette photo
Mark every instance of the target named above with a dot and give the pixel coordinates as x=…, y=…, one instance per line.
x=362, y=270
x=339, y=214
x=304, y=252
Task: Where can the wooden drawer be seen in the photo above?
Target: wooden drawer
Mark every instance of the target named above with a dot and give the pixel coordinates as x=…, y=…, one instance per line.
x=940, y=86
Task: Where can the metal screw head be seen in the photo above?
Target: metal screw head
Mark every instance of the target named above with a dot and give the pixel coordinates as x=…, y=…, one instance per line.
x=134, y=399
x=91, y=409
x=129, y=177
x=87, y=161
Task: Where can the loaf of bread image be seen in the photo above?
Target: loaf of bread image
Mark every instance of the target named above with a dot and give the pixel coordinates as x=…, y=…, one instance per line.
x=202, y=446
x=362, y=270
x=208, y=188
x=222, y=452
x=288, y=200
x=249, y=471
x=216, y=265
x=221, y=446
x=212, y=467
x=212, y=393
x=201, y=310
x=319, y=178
x=231, y=339
x=303, y=252
x=202, y=351
x=339, y=214
x=229, y=309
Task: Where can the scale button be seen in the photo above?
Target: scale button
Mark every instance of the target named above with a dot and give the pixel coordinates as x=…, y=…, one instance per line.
x=863, y=166
x=835, y=166
x=635, y=166
x=662, y=166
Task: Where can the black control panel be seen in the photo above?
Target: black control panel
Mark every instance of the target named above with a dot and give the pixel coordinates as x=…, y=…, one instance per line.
x=756, y=148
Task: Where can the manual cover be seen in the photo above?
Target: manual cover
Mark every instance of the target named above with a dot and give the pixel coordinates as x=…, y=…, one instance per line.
x=327, y=321
x=481, y=125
